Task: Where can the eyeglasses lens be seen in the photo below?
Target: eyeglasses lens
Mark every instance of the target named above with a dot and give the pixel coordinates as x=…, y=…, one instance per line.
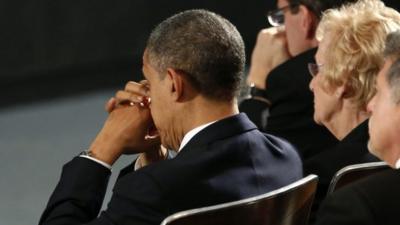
x=276, y=18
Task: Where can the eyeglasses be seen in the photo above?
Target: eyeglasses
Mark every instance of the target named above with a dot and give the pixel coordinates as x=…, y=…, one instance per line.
x=314, y=68
x=277, y=17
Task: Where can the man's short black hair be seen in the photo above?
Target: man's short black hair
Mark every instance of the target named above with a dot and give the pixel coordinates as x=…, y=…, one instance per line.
x=205, y=47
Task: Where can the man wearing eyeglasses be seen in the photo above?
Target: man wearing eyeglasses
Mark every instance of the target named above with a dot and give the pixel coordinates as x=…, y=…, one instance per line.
x=279, y=76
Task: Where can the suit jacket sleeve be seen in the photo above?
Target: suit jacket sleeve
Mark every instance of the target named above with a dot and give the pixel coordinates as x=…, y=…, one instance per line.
x=347, y=206
x=79, y=194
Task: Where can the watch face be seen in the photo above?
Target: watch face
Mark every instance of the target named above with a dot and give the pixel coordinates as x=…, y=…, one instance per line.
x=86, y=153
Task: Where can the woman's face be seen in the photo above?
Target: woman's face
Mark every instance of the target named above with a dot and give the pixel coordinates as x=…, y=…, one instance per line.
x=327, y=101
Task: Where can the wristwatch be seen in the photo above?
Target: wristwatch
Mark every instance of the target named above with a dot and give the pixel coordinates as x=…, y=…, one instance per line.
x=86, y=153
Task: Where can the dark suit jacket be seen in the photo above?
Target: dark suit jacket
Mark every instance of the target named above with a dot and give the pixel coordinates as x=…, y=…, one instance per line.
x=292, y=109
x=370, y=201
x=229, y=160
x=351, y=150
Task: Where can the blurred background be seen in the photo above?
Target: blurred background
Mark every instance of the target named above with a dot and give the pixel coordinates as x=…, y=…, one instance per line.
x=56, y=48
x=60, y=62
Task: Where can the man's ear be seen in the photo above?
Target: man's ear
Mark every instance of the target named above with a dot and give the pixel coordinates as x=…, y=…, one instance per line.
x=176, y=83
x=308, y=22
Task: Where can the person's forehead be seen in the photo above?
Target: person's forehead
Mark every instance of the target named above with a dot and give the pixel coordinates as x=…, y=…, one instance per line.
x=323, y=47
x=381, y=79
x=282, y=3
x=319, y=55
x=146, y=60
x=145, y=56
x=148, y=69
x=145, y=67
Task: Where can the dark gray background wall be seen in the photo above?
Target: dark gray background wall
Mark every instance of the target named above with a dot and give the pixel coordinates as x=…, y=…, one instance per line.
x=53, y=48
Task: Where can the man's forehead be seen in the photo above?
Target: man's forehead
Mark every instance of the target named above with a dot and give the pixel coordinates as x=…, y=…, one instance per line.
x=145, y=56
x=387, y=65
x=281, y=3
x=146, y=61
x=382, y=75
x=148, y=69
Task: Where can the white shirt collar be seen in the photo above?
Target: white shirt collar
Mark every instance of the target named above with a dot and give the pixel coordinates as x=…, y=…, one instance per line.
x=397, y=165
x=189, y=135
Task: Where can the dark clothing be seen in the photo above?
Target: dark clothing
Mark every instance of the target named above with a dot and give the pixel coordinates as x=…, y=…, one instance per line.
x=371, y=201
x=351, y=150
x=292, y=109
x=228, y=160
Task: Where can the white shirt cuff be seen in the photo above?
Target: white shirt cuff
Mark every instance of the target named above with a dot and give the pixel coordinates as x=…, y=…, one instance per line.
x=98, y=161
x=397, y=165
x=137, y=165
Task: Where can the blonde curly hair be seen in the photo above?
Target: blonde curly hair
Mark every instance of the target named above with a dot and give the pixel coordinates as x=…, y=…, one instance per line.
x=355, y=55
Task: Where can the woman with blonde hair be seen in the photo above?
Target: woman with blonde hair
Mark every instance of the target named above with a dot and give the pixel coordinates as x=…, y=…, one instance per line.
x=349, y=57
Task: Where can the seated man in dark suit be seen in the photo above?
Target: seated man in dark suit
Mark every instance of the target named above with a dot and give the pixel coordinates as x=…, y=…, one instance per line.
x=193, y=65
x=374, y=200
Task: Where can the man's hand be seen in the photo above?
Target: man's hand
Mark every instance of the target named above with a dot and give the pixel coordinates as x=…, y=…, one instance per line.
x=270, y=51
x=127, y=126
x=134, y=93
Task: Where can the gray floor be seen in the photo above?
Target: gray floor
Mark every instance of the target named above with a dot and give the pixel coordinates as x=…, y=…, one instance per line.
x=35, y=141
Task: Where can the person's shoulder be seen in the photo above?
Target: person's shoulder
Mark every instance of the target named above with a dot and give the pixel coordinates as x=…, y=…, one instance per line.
x=373, y=199
x=298, y=62
x=278, y=141
x=375, y=189
x=351, y=150
x=291, y=78
x=387, y=181
x=282, y=146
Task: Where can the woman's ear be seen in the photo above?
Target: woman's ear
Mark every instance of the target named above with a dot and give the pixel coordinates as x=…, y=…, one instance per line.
x=341, y=91
x=176, y=83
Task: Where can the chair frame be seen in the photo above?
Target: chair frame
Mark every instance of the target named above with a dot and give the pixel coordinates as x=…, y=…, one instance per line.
x=333, y=186
x=247, y=201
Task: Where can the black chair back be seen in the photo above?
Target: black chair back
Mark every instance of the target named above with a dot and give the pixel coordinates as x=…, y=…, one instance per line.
x=289, y=205
x=355, y=172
